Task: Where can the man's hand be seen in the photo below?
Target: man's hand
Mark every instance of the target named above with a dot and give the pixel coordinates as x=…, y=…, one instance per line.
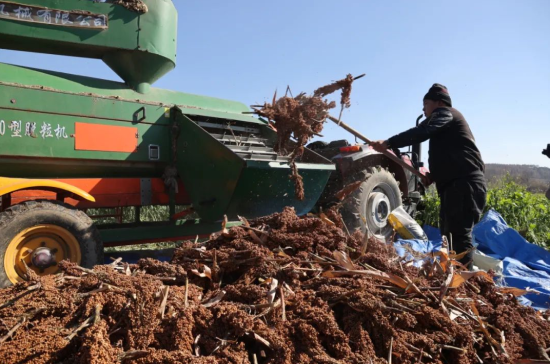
x=426, y=179
x=379, y=145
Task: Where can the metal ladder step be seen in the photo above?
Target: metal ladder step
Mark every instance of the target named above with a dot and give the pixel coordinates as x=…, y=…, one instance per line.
x=241, y=140
x=263, y=157
x=246, y=129
x=251, y=149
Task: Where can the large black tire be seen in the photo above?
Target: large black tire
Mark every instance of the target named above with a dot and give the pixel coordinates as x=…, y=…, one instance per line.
x=30, y=214
x=368, y=206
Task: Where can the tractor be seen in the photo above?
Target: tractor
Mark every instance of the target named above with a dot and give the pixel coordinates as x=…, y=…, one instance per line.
x=71, y=146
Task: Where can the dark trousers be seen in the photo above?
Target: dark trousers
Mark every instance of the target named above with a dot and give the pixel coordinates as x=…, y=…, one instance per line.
x=462, y=204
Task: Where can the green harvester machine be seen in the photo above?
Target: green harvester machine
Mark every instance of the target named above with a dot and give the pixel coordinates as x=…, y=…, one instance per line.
x=70, y=143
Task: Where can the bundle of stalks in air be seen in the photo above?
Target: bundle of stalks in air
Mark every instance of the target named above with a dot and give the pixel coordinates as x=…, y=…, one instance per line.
x=298, y=119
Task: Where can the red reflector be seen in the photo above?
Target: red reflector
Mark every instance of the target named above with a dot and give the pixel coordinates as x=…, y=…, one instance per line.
x=352, y=149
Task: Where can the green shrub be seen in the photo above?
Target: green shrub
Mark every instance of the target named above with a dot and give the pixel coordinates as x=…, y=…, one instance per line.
x=429, y=215
x=526, y=212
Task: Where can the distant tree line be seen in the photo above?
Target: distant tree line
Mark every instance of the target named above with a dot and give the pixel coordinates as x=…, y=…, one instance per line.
x=535, y=179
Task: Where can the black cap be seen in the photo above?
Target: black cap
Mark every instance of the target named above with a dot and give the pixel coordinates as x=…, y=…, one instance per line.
x=439, y=92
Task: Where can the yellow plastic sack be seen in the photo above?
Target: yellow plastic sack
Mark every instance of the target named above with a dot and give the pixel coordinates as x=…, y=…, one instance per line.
x=405, y=225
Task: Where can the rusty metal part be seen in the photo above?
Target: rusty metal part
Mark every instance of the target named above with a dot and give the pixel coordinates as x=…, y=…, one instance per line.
x=387, y=153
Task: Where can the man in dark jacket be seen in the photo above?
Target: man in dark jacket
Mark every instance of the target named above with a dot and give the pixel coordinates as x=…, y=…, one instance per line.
x=456, y=167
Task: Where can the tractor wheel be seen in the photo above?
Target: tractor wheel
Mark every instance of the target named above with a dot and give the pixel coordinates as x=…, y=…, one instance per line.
x=369, y=206
x=40, y=234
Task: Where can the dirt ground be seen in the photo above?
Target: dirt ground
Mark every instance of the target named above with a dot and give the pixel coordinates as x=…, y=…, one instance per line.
x=280, y=289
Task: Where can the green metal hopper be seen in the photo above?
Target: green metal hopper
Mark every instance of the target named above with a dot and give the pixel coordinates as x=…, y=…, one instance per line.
x=234, y=170
x=75, y=148
x=140, y=48
x=224, y=158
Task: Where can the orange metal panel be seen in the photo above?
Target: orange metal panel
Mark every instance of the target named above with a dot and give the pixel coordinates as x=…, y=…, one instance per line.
x=105, y=138
x=109, y=192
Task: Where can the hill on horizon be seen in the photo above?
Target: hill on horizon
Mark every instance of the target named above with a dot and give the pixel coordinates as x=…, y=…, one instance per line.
x=535, y=178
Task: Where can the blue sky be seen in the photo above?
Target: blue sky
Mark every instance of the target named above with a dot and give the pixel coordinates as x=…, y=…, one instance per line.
x=494, y=57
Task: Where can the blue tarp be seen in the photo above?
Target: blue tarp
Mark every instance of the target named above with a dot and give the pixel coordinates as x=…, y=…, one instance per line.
x=404, y=247
x=497, y=239
x=525, y=265
x=517, y=274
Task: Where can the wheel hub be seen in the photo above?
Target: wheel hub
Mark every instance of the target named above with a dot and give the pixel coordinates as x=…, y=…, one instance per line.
x=43, y=257
x=379, y=208
x=40, y=248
